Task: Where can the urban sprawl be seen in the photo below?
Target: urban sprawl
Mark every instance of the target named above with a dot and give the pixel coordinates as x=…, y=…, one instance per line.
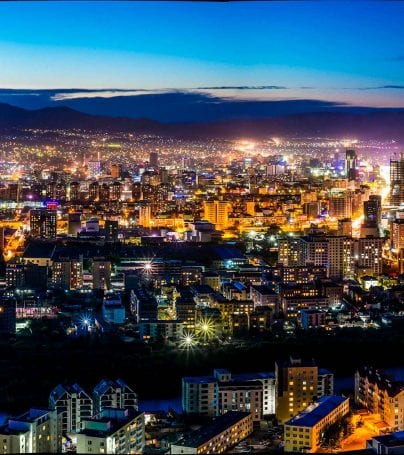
x=279, y=251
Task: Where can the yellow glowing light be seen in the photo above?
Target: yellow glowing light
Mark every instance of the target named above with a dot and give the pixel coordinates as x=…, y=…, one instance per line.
x=206, y=328
x=188, y=341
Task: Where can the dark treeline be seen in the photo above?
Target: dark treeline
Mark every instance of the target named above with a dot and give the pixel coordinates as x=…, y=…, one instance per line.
x=31, y=367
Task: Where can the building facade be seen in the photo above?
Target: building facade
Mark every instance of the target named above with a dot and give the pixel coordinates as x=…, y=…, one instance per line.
x=303, y=432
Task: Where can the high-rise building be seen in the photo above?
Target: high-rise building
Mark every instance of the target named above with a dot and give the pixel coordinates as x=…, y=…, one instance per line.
x=94, y=169
x=43, y=223
x=15, y=274
x=290, y=252
x=397, y=235
x=372, y=209
x=340, y=206
x=114, y=394
x=101, y=274
x=345, y=227
x=74, y=223
x=145, y=216
x=115, y=171
x=115, y=191
x=217, y=212
x=397, y=181
x=154, y=159
x=104, y=192
x=368, y=255
x=350, y=164
x=74, y=194
x=335, y=253
x=74, y=404
x=94, y=191
x=296, y=384
x=340, y=257
x=67, y=273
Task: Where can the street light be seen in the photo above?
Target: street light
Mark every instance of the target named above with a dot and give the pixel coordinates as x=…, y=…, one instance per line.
x=206, y=328
x=187, y=341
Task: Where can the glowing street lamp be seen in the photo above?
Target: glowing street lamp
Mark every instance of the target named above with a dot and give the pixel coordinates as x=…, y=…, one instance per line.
x=206, y=328
x=188, y=341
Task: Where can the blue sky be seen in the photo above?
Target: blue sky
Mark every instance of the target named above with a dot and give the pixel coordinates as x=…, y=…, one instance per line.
x=350, y=52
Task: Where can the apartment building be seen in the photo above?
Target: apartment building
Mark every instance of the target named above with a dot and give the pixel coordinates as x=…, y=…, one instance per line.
x=35, y=431
x=303, y=432
x=73, y=403
x=381, y=395
x=114, y=394
x=215, y=395
x=218, y=436
x=296, y=386
x=113, y=431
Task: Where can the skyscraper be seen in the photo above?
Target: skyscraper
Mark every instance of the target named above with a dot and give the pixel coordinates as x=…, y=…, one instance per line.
x=154, y=159
x=115, y=171
x=43, y=223
x=397, y=181
x=350, y=164
x=94, y=168
x=373, y=210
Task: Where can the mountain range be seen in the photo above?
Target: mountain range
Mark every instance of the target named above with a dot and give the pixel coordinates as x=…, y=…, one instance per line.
x=386, y=125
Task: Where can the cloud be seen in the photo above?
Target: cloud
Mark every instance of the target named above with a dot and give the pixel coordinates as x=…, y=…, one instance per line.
x=245, y=87
x=107, y=93
x=381, y=87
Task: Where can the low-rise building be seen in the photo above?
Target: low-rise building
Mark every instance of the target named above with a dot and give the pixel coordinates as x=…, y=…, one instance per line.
x=387, y=444
x=161, y=330
x=264, y=296
x=303, y=432
x=312, y=318
x=218, y=436
x=113, y=311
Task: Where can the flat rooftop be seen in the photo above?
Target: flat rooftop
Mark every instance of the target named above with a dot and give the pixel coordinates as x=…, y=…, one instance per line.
x=317, y=411
x=391, y=440
x=217, y=426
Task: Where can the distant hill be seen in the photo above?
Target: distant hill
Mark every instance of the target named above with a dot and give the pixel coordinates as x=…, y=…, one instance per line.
x=66, y=118
x=370, y=125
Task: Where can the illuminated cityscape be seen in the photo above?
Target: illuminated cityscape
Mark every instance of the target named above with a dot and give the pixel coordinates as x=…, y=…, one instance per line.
x=213, y=267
